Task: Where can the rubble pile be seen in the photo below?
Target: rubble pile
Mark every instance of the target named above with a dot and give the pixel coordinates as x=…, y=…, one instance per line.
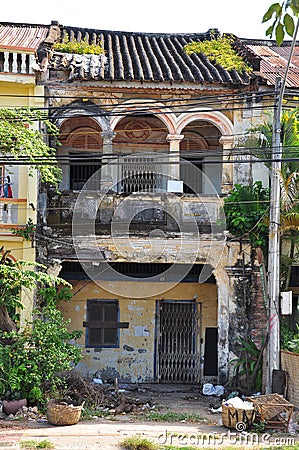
x=28, y=413
x=106, y=397
x=24, y=413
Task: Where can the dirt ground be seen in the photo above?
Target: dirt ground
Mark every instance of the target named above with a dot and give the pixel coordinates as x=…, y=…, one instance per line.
x=178, y=398
x=161, y=397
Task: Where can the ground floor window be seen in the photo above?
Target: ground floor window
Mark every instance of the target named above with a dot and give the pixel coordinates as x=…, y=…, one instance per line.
x=102, y=323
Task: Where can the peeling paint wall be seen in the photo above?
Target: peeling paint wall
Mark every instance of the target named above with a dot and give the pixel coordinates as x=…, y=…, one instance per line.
x=134, y=360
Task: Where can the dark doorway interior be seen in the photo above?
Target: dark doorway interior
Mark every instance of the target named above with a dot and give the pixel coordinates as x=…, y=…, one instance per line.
x=211, y=353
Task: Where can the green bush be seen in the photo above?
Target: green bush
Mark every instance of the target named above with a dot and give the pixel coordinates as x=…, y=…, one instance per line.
x=289, y=339
x=32, y=357
x=246, y=211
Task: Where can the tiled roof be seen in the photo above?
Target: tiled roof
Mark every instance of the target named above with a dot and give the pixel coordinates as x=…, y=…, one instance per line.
x=271, y=61
x=22, y=37
x=143, y=57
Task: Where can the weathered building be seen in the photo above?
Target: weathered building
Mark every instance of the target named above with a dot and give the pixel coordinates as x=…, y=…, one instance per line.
x=151, y=141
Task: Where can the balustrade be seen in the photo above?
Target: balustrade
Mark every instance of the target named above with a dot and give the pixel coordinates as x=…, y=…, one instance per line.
x=14, y=62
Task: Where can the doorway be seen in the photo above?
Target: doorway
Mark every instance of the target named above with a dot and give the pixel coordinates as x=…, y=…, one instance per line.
x=178, y=341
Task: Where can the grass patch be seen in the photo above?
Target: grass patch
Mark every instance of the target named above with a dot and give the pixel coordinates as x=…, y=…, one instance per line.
x=231, y=447
x=93, y=413
x=36, y=444
x=138, y=443
x=171, y=416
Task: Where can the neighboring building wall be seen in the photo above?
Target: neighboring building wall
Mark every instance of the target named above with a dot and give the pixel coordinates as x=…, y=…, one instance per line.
x=19, y=90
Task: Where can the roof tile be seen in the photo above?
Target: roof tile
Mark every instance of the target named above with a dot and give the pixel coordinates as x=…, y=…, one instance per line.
x=146, y=57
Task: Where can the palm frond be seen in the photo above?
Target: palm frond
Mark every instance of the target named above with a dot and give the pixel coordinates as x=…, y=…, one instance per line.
x=289, y=222
x=288, y=188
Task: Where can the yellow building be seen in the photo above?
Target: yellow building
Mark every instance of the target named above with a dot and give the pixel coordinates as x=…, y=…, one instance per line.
x=18, y=88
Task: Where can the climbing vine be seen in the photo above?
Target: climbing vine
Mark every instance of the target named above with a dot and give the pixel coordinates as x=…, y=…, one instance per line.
x=19, y=140
x=219, y=49
x=81, y=48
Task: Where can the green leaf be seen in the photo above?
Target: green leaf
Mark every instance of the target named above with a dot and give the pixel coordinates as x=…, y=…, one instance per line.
x=279, y=33
x=270, y=30
x=289, y=24
x=273, y=8
x=294, y=5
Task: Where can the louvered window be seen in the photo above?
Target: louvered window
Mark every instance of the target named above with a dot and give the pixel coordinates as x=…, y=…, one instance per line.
x=102, y=325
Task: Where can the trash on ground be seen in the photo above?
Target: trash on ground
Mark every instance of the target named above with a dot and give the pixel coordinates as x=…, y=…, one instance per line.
x=210, y=389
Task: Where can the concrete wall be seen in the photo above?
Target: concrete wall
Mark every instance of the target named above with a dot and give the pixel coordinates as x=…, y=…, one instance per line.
x=134, y=360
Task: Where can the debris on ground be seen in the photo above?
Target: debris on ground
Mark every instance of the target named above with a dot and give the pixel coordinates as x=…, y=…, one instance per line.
x=210, y=389
x=104, y=396
x=25, y=413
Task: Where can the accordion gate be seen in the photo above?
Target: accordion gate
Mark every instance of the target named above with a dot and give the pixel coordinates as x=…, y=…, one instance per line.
x=179, y=324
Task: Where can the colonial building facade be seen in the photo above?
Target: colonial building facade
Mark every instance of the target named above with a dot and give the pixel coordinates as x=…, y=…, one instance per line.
x=151, y=142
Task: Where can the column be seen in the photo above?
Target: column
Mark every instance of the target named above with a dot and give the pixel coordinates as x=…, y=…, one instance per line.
x=227, y=166
x=107, y=171
x=224, y=294
x=174, y=156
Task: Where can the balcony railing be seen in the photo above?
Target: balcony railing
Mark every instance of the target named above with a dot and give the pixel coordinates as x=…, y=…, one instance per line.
x=141, y=211
x=12, y=211
x=16, y=63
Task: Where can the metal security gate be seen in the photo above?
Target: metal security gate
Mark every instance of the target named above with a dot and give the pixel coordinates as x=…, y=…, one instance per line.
x=178, y=341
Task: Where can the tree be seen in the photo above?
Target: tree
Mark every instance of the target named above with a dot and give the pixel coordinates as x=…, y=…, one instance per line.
x=13, y=277
x=246, y=210
x=18, y=140
x=282, y=16
x=289, y=183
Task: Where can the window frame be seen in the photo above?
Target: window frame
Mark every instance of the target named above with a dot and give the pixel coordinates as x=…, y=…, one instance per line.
x=87, y=333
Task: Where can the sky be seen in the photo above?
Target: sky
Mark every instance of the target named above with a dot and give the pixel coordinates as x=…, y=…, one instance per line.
x=242, y=18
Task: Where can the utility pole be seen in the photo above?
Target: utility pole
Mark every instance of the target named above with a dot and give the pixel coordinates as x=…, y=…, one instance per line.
x=273, y=348
x=273, y=354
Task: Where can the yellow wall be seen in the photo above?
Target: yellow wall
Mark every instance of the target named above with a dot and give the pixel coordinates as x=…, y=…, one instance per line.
x=16, y=92
x=138, y=364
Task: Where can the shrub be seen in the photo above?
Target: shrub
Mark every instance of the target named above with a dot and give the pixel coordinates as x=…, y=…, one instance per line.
x=31, y=358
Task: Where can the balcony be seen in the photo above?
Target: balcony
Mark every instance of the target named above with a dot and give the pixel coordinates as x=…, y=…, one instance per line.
x=12, y=212
x=137, y=213
x=16, y=63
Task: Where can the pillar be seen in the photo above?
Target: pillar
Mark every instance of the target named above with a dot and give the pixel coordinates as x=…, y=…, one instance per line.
x=227, y=169
x=108, y=171
x=224, y=293
x=174, y=155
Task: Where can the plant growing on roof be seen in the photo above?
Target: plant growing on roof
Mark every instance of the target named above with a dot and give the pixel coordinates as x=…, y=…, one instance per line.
x=220, y=49
x=19, y=140
x=80, y=47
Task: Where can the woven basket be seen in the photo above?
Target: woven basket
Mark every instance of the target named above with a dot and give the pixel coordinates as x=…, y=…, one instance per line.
x=232, y=416
x=60, y=412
